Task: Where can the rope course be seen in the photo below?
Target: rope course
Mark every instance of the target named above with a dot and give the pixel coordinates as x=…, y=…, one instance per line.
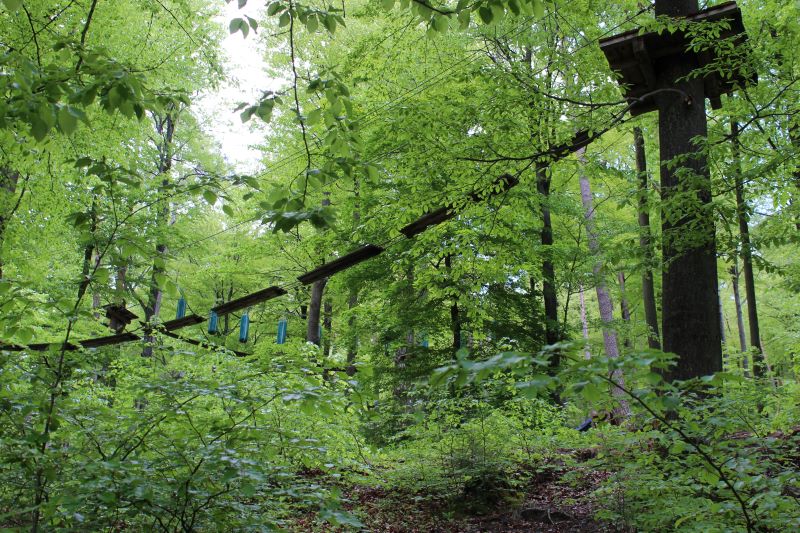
x=364, y=253
x=428, y=220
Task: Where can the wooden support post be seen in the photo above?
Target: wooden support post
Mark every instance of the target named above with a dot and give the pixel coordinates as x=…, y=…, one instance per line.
x=690, y=294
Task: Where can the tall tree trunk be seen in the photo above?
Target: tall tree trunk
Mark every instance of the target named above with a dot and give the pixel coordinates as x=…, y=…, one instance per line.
x=722, y=334
x=584, y=323
x=794, y=136
x=314, y=311
x=96, y=292
x=352, y=299
x=742, y=215
x=737, y=301
x=552, y=333
x=455, y=314
x=624, y=309
x=603, y=296
x=646, y=243
x=327, y=326
x=166, y=129
x=352, y=346
x=690, y=293
x=317, y=293
x=8, y=188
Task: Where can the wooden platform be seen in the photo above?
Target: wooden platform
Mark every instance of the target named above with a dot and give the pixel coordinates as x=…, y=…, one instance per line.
x=634, y=57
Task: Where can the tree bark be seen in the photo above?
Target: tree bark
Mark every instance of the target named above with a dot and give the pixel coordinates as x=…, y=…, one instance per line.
x=552, y=332
x=352, y=346
x=8, y=187
x=603, y=296
x=737, y=301
x=327, y=325
x=742, y=215
x=624, y=309
x=646, y=243
x=166, y=129
x=584, y=323
x=314, y=308
x=690, y=293
x=455, y=314
x=794, y=136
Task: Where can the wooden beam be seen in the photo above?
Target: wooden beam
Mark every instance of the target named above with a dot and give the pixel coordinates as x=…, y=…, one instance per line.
x=427, y=220
x=201, y=344
x=328, y=269
x=249, y=300
x=108, y=341
x=184, y=322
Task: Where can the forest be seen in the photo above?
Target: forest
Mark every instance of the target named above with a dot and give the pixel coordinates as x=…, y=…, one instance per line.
x=498, y=265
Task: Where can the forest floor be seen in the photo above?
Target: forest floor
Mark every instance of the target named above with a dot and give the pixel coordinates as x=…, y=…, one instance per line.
x=557, y=498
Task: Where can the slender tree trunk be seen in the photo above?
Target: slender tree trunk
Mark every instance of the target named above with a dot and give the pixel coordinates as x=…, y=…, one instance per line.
x=742, y=215
x=584, y=323
x=603, y=296
x=327, y=325
x=794, y=135
x=455, y=314
x=624, y=309
x=166, y=129
x=352, y=300
x=722, y=334
x=690, y=292
x=317, y=293
x=314, y=311
x=737, y=301
x=646, y=243
x=552, y=333
x=8, y=188
x=352, y=346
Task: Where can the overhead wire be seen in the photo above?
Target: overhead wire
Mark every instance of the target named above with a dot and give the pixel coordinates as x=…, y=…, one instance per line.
x=390, y=242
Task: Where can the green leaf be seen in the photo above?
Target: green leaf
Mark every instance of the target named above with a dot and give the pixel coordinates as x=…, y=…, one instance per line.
x=12, y=5
x=284, y=20
x=463, y=19
x=210, y=197
x=314, y=116
x=228, y=210
x=39, y=128
x=486, y=14
x=538, y=8
x=67, y=121
x=388, y=5
x=238, y=24
x=273, y=8
x=441, y=23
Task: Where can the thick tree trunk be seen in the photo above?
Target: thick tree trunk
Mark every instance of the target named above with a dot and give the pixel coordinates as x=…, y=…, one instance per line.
x=690, y=293
x=742, y=216
x=646, y=243
x=603, y=296
x=314, y=311
x=552, y=333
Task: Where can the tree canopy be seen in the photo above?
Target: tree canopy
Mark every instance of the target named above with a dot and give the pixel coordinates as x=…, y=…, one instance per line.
x=550, y=238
